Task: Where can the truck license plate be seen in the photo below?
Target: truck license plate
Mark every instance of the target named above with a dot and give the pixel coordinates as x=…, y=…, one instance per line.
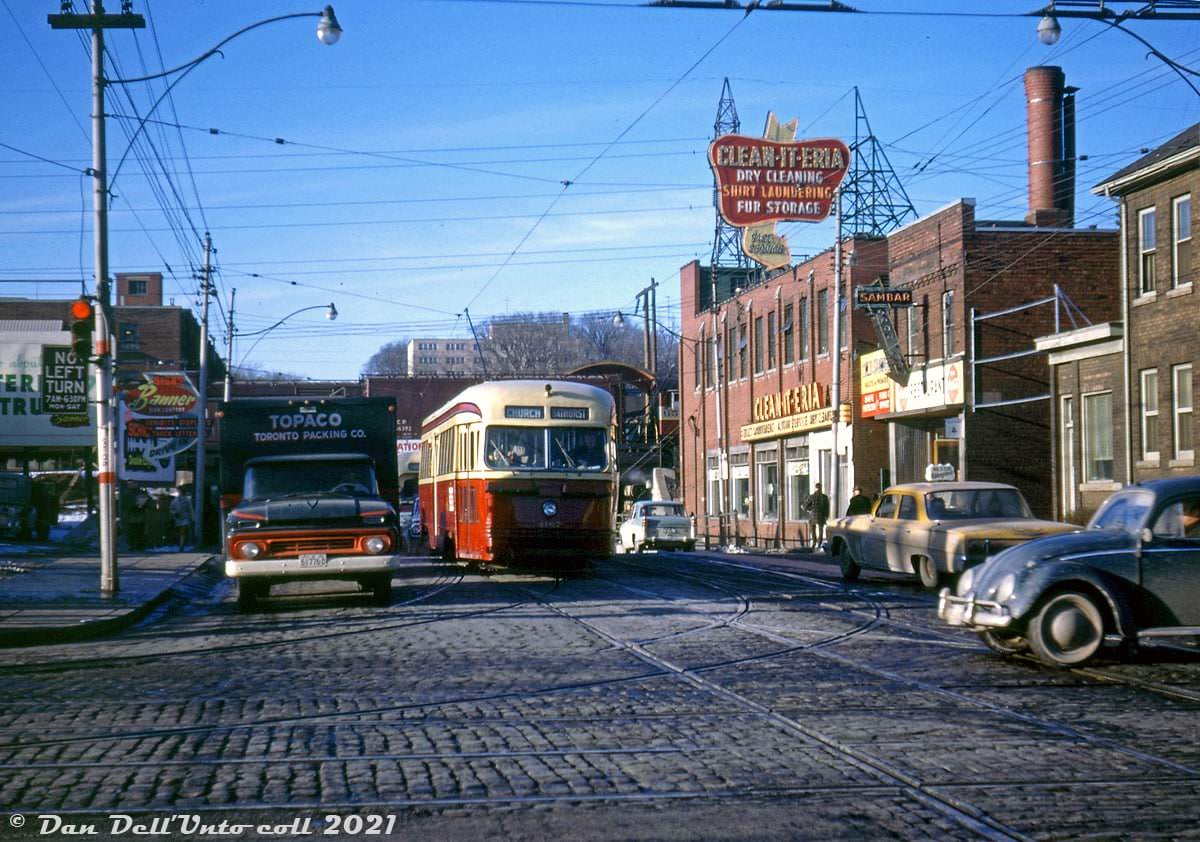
x=314, y=560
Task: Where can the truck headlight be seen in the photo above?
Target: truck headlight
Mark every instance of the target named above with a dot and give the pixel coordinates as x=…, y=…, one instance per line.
x=375, y=545
x=250, y=549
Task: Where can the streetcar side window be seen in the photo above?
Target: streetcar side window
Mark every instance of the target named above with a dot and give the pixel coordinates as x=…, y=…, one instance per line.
x=515, y=447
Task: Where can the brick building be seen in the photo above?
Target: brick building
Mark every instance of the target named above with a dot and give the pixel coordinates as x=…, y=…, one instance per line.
x=1124, y=391
x=758, y=430
x=432, y=357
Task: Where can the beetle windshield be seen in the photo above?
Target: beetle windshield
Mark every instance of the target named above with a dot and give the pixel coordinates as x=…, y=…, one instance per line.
x=974, y=503
x=1124, y=510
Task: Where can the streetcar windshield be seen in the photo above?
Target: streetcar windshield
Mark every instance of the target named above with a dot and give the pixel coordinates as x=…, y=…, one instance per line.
x=538, y=448
x=515, y=447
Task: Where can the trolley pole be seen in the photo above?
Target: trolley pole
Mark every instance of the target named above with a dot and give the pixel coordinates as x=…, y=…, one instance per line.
x=198, y=481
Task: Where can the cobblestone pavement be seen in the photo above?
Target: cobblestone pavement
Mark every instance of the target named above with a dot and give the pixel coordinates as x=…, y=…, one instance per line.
x=656, y=697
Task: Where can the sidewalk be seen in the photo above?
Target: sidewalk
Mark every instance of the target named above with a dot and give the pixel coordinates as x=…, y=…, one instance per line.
x=52, y=599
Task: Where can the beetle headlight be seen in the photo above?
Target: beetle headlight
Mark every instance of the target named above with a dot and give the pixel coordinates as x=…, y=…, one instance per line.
x=250, y=550
x=375, y=545
x=965, y=581
x=1006, y=587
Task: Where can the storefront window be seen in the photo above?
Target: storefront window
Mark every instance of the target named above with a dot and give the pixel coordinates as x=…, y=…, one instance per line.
x=739, y=466
x=795, y=456
x=768, y=483
x=713, y=500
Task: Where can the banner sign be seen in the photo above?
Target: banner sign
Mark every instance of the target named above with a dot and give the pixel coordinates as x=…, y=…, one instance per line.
x=157, y=420
x=761, y=181
x=933, y=387
x=881, y=296
x=26, y=420
x=874, y=384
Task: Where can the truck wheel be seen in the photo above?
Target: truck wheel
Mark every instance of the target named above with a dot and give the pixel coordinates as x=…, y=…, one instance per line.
x=381, y=589
x=1068, y=630
x=928, y=573
x=849, y=566
x=248, y=592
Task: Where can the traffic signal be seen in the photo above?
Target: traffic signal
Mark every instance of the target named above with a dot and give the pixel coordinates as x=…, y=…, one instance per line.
x=846, y=413
x=83, y=322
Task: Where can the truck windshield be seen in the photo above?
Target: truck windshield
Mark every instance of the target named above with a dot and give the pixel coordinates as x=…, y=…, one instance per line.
x=283, y=479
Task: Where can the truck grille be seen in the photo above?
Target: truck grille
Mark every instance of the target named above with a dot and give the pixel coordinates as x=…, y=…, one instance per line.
x=312, y=544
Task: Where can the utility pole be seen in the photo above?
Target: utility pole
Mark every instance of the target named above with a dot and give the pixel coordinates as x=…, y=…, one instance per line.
x=97, y=22
x=229, y=347
x=198, y=486
x=835, y=397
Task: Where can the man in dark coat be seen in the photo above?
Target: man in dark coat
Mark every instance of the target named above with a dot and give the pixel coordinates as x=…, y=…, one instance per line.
x=860, y=504
x=818, y=514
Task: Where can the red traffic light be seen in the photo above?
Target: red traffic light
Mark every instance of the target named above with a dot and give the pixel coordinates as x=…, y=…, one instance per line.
x=81, y=309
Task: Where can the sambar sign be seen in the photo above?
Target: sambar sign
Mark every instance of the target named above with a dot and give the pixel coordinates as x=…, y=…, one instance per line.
x=761, y=181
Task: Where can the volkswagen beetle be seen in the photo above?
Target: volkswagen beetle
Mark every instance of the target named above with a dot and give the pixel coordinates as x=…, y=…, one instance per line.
x=1132, y=576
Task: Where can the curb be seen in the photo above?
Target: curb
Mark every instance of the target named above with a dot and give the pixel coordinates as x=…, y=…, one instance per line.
x=91, y=629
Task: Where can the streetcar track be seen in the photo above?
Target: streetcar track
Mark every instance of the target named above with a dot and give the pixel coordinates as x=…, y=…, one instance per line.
x=964, y=814
x=961, y=698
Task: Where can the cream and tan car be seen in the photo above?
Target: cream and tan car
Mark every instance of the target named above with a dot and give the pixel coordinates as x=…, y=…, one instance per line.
x=935, y=530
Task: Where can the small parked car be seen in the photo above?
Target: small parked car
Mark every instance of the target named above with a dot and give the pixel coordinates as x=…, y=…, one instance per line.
x=1132, y=576
x=659, y=524
x=935, y=530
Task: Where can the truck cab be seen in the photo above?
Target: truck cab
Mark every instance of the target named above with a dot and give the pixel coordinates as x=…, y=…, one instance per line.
x=309, y=493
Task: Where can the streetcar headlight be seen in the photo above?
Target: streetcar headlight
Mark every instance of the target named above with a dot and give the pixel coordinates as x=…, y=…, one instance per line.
x=250, y=550
x=549, y=508
x=375, y=545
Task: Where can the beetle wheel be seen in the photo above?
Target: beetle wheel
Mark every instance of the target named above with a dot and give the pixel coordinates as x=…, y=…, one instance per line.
x=1004, y=642
x=1068, y=630
x=849, y=566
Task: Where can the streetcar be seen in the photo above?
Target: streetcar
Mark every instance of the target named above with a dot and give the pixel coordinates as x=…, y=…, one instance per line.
x=407, y=462
x=520, y=470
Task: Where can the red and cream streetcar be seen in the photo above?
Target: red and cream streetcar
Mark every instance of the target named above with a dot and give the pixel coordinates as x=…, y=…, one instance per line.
x=520, y=469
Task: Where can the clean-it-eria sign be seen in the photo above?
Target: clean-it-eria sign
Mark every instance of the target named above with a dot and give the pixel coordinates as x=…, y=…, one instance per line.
x=775, y=178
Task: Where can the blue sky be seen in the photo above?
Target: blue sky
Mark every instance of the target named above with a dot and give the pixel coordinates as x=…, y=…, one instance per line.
x=426, y=152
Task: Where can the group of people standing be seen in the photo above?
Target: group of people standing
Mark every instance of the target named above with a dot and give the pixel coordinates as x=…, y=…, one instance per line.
x=155, y=519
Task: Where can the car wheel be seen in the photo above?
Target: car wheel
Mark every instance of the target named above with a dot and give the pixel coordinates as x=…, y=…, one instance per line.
x=1004, y=642
x=849, y=566
x=928, y=573
x=1068, y=630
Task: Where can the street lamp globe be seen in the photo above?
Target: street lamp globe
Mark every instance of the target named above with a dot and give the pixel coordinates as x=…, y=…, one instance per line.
x=328, y=29
x=1048, y=30
x=332, y=312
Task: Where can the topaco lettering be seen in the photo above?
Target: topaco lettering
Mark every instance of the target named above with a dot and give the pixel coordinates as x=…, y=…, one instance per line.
x=309, y=426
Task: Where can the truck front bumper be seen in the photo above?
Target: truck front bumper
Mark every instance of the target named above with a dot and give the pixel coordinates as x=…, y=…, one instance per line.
x=335, y=566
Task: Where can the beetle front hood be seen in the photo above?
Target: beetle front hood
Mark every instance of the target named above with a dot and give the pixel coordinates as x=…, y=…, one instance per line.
x=1051, y=546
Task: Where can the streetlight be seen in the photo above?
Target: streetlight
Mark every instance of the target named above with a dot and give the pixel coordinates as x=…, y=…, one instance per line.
x=328, y=32
x=331, y=313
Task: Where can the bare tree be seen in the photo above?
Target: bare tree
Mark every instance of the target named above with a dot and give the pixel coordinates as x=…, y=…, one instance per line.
x=392, y=358
x=532, y=344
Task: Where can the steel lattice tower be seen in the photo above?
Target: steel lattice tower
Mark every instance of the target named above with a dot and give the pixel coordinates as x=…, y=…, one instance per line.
x=874, y=202
x=727, y=245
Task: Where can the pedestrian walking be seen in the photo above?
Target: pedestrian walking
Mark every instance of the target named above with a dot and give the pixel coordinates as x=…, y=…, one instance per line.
x=818, y=514
x=135, y=518
x=860, y=504
x=181, y=516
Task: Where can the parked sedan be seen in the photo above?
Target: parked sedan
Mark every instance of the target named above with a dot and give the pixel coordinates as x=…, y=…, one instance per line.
x=1133, y=575
x=657, y=523
x=934, y=530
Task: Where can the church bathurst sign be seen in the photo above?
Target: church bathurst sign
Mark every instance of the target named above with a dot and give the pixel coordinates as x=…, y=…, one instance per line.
x=761, y=181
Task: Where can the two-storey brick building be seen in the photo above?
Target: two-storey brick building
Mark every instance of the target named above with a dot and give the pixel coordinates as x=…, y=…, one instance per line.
x=1124, y=390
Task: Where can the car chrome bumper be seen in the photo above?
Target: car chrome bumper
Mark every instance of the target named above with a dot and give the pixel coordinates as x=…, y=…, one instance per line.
x=290, y=567
x=971, y=612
